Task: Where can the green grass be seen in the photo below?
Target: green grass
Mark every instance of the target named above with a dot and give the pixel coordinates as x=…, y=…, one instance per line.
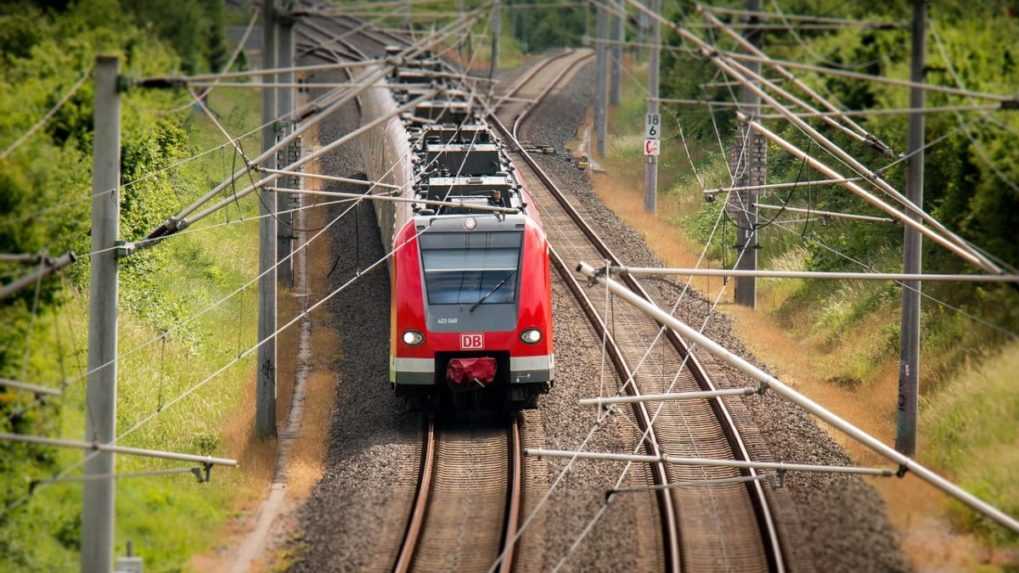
x=972, y=434
x=168, y=519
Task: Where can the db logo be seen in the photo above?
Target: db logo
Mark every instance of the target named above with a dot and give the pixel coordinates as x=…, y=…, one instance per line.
x=472, y=341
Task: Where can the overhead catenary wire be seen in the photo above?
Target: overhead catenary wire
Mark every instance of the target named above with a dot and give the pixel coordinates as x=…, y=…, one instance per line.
x=896, y=111
x=791, y=184
x=185, y=222
x=1009, y=100
x=826, y=275
x=330, y=178
x=204, y=310
x=805, y=26
x=750, y=79
x=195, y=387
x=814, y=239
x=305, y=85
x=875, y=201
x=131, y=246
x=794, y=17
x=186, y=80
x=197, y=471
x=847, y=125
x=222, y=300
x=794, y=396
x=460, y=204
x=644, y=434
x=278, y=330
x=230, y=62
x=322, y=108
x=175, y=165
x=835, y=214
x=114, y=448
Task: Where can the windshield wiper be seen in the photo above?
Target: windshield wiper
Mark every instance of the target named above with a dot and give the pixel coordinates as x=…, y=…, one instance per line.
x=489, y=293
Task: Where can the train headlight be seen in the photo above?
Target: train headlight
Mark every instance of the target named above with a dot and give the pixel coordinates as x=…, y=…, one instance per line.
x=531, y=336
x=470, y=223
x=413, y=337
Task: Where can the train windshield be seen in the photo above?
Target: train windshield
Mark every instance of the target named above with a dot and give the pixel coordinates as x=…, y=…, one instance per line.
x=471, y=268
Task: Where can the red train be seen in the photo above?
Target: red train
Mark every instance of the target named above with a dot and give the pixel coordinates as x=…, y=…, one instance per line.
x=471, y=290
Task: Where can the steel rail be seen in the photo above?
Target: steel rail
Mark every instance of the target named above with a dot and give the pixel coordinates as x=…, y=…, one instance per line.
x=529, y=75
x=414, y=532
x=548, y=89
x=514, y=497
x=509, y=96
x=666, y=504
x=759, y=500
x=672, y=536
x=421, y=501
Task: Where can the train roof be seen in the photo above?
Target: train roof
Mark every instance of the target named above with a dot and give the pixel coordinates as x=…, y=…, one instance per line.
x=456, y=154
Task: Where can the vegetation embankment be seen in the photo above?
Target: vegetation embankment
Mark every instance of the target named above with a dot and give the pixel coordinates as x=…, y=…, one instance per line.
x=174, y=331
x=969, y=392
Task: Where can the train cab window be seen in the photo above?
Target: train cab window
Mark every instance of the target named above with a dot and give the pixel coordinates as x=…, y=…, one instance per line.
x=471, y=268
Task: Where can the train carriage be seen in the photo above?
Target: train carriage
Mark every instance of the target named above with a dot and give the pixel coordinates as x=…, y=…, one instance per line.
x=471, y=317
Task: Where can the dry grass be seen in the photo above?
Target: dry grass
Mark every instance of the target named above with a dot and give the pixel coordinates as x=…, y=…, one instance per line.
x=307, y=456
x=661, y=236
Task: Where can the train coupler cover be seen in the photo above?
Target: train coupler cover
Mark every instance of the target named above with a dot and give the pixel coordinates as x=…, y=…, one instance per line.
x=464, y=373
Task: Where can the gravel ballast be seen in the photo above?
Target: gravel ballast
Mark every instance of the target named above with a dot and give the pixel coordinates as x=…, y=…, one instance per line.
x=354, y=518
x=831, y=522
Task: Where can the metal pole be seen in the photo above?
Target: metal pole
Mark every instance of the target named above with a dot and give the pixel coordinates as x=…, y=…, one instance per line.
x=460, y=16
x=777, y=386
x=98, y=514
x=48, y=267
x=826, y=275
x=851, y=128
x=285, y=105
x=617, y=53
x=816, y=165
x=265, y=400
x=711, y=462
x=643, y=24
x=750, y=164
x=113, y=449
x=601, y=82
x=651, y=165
x=912, y=245
x=496, y=32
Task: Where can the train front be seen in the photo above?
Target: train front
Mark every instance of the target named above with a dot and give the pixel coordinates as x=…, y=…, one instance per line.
x=473, y=313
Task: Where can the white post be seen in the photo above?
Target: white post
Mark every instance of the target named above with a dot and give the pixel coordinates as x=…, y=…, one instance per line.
x=265, y=396
x=98, y=514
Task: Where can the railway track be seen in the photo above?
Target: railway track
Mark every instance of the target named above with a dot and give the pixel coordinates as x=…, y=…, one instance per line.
x=467, y=505
x=468, y=502
x=515, y=105
x=704, y=528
